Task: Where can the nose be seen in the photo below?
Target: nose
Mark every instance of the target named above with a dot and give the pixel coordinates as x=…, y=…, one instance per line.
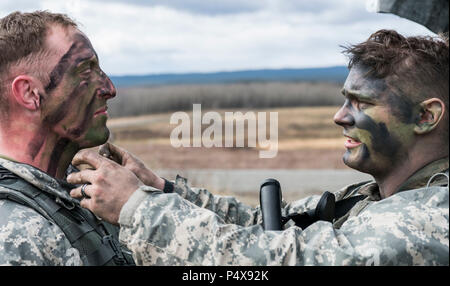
x=109, y=90
x=343, y=117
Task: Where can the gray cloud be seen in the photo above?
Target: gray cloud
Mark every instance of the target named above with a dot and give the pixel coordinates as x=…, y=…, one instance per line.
x=135, y=37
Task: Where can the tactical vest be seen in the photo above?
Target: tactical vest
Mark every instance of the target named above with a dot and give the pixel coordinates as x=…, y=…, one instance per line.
x=96, y=241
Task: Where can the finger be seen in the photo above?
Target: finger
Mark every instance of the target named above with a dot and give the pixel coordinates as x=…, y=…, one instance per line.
x=76, y=193
x=86, y=203
x=104, y=151
x=83, y=177
x=88, y=157
x=116, y=152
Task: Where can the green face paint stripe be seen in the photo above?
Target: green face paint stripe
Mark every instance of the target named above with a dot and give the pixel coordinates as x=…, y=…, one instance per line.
x=62, y=110
x=76, y=131
x=56, y=155
x=80, y=45
x=57, y=74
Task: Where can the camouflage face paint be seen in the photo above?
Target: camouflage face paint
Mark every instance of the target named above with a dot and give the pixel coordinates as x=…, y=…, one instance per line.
x=73, y=109
x=378, y=122
x=78, y=90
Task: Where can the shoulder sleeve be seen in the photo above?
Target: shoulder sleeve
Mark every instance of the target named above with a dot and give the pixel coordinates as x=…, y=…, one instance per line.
x=167, y=230
x=27, y=238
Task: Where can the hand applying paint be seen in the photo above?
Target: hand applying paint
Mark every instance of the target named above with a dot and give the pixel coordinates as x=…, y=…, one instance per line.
x=109, y=185
x=129, y=161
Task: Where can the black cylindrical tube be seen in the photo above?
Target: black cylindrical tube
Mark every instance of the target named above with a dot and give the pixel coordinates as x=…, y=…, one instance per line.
x=270, y=200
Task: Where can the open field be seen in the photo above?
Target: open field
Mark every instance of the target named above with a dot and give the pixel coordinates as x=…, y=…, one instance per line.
x=308, y=160
x=132, y=101
x=307, y=139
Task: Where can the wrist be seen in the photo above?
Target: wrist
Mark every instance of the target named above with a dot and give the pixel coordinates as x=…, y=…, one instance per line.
x=159, y=183
x=147, y=177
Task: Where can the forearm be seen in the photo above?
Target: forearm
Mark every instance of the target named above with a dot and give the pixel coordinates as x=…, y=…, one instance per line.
x=168, y=230
x=228, y=208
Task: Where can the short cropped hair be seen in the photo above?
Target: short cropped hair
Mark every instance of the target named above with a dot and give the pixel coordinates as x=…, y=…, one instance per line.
x=22, y=42
x=422, y=60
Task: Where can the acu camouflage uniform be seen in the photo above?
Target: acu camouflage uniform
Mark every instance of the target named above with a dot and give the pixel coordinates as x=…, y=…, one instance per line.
x=193, y=227
x=30, y=237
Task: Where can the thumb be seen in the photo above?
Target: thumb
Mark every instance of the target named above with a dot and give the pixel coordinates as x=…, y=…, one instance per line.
x=112, y=152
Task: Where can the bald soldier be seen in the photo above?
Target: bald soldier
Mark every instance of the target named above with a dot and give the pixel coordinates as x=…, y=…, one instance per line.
x=395, y=119
x=53, y=102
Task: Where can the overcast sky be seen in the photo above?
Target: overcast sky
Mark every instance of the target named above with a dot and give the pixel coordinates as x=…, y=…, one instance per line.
x=177, y=36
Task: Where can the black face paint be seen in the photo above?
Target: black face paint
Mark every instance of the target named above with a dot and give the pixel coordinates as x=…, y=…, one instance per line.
x=55, y=157
x=402, y=107
x=76, y=131
x=66, y=61
x=382, y=141
x=365, y=155
x=58, y=72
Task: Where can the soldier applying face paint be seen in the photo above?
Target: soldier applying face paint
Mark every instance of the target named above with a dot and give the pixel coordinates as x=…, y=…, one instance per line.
x=53, y=102
x=395, y=119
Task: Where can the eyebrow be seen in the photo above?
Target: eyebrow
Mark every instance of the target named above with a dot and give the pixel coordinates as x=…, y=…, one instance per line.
x=357, y=94
x=90, y=58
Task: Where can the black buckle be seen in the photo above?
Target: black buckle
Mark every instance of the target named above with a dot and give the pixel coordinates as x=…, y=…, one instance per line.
x=119, y=258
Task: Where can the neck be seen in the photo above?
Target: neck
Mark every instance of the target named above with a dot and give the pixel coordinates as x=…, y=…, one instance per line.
x=390, y=182
x=38, y=147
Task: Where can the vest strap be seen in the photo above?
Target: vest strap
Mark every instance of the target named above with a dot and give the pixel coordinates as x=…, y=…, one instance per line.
x=84, y=232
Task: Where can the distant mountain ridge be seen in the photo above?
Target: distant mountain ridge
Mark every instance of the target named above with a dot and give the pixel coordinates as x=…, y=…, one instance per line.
x=328, y=74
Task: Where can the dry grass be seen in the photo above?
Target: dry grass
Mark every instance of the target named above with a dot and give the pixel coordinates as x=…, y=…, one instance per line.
x=308, y=138
x=153, y=99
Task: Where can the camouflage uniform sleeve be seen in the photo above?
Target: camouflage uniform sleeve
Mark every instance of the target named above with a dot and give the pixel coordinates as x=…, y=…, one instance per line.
x=27, y=238
x=231, y=210
x=409, y=228
x=228, y=208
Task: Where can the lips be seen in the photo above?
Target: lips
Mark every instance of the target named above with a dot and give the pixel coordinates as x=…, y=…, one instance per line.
x=351, y=142
x=101, y=111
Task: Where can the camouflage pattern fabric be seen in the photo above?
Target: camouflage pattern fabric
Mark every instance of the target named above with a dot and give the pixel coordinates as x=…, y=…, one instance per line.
x=26, y=237
x=194, y=227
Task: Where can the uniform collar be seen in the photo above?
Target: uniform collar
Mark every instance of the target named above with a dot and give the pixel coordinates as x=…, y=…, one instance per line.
x=417, y=180
x=421, y=177
x=40, y=179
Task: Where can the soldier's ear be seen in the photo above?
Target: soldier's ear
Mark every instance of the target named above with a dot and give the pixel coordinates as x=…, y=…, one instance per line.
x=431, y=114
x=25, y=91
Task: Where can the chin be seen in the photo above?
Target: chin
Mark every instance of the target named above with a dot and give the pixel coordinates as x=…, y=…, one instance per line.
x=358, y=159
x=95, y=138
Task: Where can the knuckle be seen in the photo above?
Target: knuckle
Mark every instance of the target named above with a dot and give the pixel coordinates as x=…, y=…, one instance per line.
x=96, y=192
x=101, y=177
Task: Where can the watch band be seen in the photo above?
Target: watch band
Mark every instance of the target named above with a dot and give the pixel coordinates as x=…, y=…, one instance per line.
x=168, y=186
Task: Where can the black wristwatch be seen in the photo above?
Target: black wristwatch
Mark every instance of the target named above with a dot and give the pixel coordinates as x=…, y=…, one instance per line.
x=168, y=186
